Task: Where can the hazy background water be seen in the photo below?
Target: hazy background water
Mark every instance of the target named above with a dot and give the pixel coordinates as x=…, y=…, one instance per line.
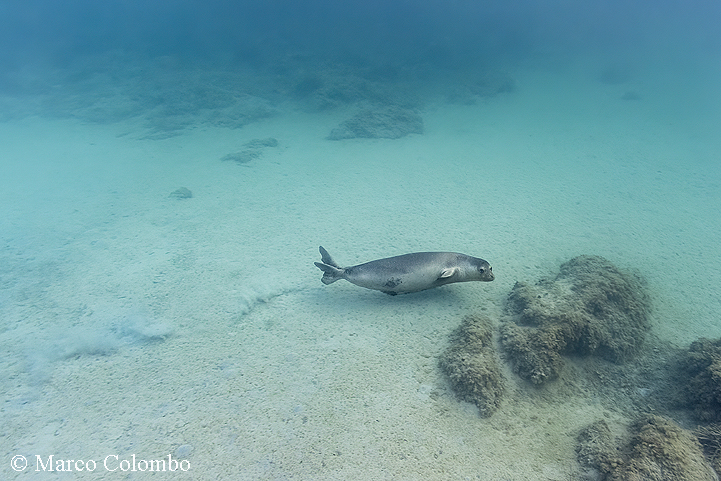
x=457, y=35
x=549, y=129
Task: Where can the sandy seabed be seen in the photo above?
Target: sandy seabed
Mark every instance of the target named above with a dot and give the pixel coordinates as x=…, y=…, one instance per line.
x=136, y=323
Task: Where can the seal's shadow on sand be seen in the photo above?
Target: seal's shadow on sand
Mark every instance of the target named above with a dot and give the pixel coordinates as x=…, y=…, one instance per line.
x=349, y=299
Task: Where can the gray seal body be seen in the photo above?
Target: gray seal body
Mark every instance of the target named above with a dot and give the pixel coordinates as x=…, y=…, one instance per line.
x=409, y=272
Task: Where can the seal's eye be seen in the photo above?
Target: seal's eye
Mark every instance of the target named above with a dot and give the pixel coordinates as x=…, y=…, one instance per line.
x=482, y=270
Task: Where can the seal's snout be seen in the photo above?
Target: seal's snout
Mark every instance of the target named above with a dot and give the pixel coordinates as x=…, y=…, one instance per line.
x=487, y=273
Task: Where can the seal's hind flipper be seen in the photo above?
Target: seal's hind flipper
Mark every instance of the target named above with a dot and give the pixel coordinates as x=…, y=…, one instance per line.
x=327, y=259
x=331, y=271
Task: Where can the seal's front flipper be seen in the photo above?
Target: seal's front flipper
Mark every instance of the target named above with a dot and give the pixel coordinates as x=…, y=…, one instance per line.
x=448, y=272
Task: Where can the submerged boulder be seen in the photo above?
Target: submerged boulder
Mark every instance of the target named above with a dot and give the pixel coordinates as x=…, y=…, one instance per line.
x=654, y=449
x=710, y=439
x=471, y=364
x=590, y=308
x=702, y=365
x=390, y=122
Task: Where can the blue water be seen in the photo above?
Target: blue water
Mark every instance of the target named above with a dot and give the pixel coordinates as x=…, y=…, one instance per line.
x=134, y=321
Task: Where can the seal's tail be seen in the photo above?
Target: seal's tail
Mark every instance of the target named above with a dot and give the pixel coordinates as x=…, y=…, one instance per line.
x=331, y=271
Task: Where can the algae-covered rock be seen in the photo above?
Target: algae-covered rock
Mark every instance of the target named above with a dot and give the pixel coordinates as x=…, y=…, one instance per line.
x=596, y=447
x=472, y=365
x=702, y=364
x=656, y=450
x=534, y=353
x=590, y=308
x=710, y=439
x=253, y=150
x=181, y=193
x=390, y=122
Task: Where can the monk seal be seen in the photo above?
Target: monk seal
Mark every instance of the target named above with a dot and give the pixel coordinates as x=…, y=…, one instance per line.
x=409, y=272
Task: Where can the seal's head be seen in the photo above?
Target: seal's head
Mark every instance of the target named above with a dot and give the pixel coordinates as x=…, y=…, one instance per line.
x=486, y=271
x=482, y=270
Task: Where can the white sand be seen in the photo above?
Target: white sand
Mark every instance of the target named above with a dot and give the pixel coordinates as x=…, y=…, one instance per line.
x=135, y=323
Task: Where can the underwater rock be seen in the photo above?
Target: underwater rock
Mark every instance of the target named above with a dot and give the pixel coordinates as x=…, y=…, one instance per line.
x=590, y=308
x=596, y=448
x=472, y=366
x=391, y=122
x=488, y=85
x=181, y=193
x=657, y=450
x=710, y=439
x=534, y=353
x=244, y=156
x=333, y=87
x=702, y=366
x=186, y=105
x=253, y=151
x=182, y=452
x=335, y=90
x=260, y=143
x=244, y=110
